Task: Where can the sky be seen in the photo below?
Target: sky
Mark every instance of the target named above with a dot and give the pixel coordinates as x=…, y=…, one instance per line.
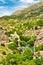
x=7, y=7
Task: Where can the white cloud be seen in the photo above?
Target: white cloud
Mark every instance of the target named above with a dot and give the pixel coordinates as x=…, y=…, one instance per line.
x=3, y=1
x=4, y=12
x=29, y=1
x=1, y=7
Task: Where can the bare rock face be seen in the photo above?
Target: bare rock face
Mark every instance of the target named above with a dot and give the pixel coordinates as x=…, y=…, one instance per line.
x=3, y=37
x=15, y=35
x=39, y=39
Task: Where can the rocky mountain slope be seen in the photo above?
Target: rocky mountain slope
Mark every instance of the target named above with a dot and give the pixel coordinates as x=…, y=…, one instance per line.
x=21, y=34
x=34, y=10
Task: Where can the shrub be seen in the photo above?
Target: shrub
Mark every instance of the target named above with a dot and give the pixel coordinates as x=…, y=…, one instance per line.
x=28, y=54
x=12, y=46
x=31, y=41
x=24, y=38
x=40, y=47
x=23, y=43
x=40, y=23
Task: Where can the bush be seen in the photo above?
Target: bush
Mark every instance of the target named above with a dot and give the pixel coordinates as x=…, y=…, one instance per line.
x=24, y=38
x=31, y=41
x=12, y=46
x=40, y=23
x=40, y=47
x=23, y=43
x=14, y=59
x=28, y=54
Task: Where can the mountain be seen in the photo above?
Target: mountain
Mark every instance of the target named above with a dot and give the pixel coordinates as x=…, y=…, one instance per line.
x=21, y=37
x=31, y=11
x=34, y=10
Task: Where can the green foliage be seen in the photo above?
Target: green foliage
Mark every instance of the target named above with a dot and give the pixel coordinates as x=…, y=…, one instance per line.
x=14, y=58
x=40, y=23
x=39, y=48
x=13, y=45
x=23, y=43
x=28, y=62
x=28, y=54
x=27, y=40
x=24, y=38
x=10, y=32
x=31, y=41
x=38, y=61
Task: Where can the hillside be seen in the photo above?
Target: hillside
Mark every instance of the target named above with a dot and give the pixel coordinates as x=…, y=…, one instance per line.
x=34, y=10
x=21, y=37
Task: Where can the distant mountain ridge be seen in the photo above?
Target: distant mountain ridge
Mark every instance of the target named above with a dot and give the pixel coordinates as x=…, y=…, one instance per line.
x=34, y=10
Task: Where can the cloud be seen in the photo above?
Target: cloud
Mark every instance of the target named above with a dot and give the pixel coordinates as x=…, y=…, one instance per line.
x=3, y=1
x=29, y=1
x=7, y=7
x=1, y=7
x=4, y=11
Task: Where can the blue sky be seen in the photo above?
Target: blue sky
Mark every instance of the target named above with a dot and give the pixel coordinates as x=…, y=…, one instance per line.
x=7, y=7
